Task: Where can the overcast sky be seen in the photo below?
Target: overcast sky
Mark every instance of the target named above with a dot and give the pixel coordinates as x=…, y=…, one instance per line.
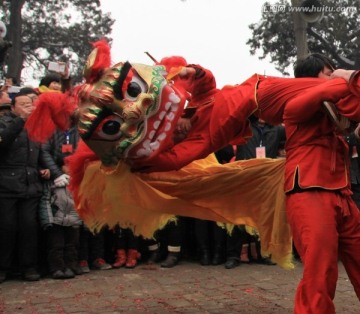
x=212, y=33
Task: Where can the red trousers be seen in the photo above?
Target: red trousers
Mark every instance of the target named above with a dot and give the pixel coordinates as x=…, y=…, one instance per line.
x=325, y=226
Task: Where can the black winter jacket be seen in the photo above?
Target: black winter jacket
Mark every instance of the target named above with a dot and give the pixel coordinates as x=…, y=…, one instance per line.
x=52, y=155
x=19, y=160
x=271, y=137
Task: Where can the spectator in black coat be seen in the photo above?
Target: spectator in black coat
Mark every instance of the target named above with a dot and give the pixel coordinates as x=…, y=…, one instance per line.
x=20, y=190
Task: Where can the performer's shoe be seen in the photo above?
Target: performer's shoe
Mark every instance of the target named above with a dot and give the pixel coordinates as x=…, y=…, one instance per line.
x=120, y=259
x=58, y=274
x=31, y=275
x=171, y=260
x=232, y=262
x=218, y=256
x=155, y=256
x=132, y=258
x=68, y=273
x=84, y=266
x=100, y=264
x=205, y=257
x=77, y=270
x=2, y=276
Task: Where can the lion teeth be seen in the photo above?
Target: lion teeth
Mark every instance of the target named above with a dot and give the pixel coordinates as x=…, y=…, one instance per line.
x=174, y=98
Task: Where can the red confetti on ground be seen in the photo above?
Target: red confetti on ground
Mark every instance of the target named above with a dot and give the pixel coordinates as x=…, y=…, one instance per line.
x=249, y=290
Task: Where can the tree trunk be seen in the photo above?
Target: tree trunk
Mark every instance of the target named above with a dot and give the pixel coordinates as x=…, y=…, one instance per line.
x=357, y=55
x=300, y=31
x=15, y=59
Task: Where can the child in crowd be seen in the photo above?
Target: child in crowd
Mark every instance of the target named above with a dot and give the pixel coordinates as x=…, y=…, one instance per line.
x=61, y=222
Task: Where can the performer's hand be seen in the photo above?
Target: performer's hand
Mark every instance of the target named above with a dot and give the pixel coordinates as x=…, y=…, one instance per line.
x=345, y=74
x=183, y=125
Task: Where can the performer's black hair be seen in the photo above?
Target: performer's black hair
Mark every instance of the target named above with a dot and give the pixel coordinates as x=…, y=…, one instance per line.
x=312, y=65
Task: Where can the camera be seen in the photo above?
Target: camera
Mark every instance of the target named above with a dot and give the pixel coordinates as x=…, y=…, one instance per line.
x=58, y=67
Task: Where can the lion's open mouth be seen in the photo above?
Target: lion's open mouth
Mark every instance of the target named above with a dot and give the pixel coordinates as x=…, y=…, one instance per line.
x=161, y=127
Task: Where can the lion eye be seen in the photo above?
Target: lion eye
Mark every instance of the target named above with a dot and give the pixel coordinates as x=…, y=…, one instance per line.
x=135, y=88
x=109, y=128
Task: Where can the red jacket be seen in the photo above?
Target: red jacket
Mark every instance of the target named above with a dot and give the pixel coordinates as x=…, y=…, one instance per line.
x=314, y=150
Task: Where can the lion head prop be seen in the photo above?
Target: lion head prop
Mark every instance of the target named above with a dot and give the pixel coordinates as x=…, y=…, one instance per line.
x=125, y=111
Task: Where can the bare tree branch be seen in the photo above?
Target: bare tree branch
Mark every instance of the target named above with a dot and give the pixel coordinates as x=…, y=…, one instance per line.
x=343, y=61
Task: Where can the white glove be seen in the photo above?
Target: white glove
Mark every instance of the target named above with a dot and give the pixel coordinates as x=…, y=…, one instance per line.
x=62, y=181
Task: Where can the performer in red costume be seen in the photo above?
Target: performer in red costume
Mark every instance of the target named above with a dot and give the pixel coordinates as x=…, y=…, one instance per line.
x=324, y=219
x=224, y=117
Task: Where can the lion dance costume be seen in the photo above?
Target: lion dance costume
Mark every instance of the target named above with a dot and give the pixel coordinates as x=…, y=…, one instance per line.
x=127, y=115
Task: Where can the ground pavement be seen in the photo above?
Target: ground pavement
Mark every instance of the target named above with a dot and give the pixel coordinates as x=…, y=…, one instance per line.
x=186, y=288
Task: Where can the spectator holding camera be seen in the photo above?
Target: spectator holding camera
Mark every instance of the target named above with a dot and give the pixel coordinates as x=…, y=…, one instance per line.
x=57, y=80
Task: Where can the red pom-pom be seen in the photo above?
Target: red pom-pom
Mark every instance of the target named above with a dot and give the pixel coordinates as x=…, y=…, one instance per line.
x=101, y=61
x=173, y=62
x=53, y=110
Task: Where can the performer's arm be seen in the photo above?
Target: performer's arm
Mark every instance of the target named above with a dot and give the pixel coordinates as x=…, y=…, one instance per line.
x=177, y=157
x=305, y=105
x=350, y=105
x=341, y=73
x=199, y=83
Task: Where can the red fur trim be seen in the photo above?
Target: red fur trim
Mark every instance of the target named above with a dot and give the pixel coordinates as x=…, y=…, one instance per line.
x=53, y=110
x=173, y=62
x=174, y=65
x=102, y=59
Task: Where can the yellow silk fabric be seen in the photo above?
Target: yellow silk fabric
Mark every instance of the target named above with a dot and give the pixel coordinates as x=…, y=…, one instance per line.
x=244, y=192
